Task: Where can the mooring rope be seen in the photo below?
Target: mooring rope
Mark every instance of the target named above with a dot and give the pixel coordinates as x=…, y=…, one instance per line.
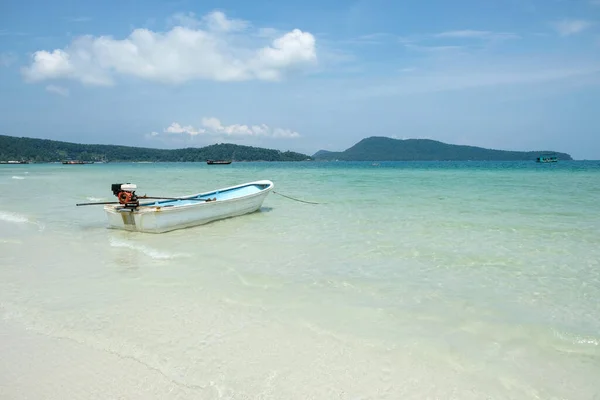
x=295, y=199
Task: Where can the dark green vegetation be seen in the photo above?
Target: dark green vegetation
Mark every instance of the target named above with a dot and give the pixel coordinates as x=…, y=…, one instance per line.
x=387, y=149
x=42, y=150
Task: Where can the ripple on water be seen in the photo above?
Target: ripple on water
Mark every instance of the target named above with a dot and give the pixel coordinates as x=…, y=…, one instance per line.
x=144, y=249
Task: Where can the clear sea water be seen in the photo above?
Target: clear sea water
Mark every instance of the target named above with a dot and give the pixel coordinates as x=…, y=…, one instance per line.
x=408, y=281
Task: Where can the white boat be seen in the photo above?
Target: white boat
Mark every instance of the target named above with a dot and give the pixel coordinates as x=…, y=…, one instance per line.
x=184, y=212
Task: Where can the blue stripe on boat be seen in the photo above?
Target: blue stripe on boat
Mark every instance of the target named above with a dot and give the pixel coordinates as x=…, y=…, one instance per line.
x=219, y=194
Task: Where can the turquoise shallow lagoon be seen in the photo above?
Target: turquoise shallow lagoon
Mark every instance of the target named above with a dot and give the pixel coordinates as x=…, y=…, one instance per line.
x=431, y=280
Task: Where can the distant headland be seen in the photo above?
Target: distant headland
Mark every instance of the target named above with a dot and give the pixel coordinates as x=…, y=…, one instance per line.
x=378, y=148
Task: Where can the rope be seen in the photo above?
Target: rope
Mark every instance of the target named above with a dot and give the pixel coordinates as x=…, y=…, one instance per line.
x=292, y=198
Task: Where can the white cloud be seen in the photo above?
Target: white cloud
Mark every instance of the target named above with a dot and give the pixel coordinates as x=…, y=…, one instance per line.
x=58, y=90
x=50, y=65
x=569, y=27
x=215, y=21
x=187, y=20
x=176, y=128
x=213, y=126
x=211, y=48
x=284, y=133
x=151, y=135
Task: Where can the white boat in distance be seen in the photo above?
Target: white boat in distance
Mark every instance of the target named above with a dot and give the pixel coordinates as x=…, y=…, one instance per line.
x=188, y=211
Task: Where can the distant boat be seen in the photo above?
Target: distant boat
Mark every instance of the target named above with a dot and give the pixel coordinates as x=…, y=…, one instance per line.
x=183, y=212
x=547, y=158
x=71, y=162
x=217, y=162
x=14, y=162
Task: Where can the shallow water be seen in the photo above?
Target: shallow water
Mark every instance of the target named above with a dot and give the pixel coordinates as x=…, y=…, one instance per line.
x=409, y=280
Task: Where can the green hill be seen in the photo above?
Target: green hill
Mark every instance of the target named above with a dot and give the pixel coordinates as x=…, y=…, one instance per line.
x=43, y=150
x=388, y=149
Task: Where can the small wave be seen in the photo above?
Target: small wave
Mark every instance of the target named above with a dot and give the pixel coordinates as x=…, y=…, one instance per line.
x=13, y=217
x=19, y=219
x=149, y=251
x=591, y=341
x=96, y=198
x=18, y=177
x=577, y=339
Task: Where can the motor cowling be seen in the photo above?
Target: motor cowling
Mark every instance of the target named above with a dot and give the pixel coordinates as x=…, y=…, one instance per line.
x=125, y=192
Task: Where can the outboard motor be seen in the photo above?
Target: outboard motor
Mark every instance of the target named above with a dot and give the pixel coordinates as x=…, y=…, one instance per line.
x=125, y=192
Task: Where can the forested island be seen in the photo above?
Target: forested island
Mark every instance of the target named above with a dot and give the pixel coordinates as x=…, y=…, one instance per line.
x=369, y=149
x=44, y=150
x=377, y=148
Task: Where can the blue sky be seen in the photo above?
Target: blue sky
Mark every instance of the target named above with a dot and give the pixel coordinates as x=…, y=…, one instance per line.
x=507, y=74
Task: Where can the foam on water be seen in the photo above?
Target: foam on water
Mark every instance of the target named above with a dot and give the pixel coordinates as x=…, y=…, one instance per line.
x=13, y=217
x=16, y=218
x=18, y=177
x=578, y=340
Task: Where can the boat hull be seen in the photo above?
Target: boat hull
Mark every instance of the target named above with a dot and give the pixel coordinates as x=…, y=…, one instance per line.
x=165, y=216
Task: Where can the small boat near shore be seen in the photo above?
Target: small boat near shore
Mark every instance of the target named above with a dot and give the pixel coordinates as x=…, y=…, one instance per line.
x=167, y=214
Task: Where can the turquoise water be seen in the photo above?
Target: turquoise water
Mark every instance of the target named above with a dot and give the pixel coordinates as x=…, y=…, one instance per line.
x=408, y=280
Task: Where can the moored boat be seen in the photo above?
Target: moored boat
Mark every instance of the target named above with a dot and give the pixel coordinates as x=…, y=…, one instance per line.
x=547, y=158
x=218, y=162
x=183, y=212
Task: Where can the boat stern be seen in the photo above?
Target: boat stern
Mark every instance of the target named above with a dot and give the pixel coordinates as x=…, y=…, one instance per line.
x=130, y=220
